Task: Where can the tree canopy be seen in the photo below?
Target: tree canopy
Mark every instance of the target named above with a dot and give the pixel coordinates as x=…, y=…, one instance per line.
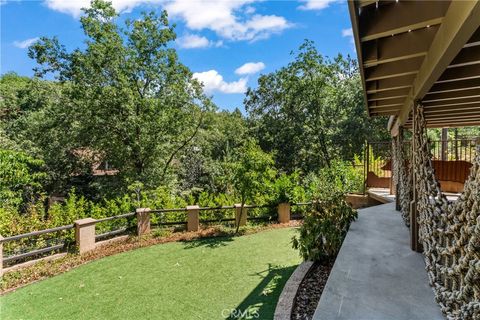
x=126, y=97
x=311, y=111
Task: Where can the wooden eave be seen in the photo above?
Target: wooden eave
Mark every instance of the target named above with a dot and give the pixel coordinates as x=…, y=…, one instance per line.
x=419, y=51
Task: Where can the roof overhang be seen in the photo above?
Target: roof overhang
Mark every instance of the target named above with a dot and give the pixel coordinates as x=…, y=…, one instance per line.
x=425, y=51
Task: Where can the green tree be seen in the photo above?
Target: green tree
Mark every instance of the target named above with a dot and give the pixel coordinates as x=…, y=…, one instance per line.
x=311, y=111
x=204, y=164
x=253, y=173
x=128, y=98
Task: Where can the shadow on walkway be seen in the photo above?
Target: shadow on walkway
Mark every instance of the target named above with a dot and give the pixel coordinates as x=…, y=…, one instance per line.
x=261, y=302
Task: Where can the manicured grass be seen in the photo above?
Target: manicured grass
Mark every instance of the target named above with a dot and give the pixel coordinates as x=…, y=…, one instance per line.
x=202, y=279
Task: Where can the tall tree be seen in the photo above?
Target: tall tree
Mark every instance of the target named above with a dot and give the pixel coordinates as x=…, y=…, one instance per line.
x=311, y=111
x=129, y=99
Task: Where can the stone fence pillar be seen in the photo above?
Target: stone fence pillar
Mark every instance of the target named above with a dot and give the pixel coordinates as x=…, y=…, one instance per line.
x=85, y=234
x=240, y=215
x=193, y=220
x=143, y=221
x=284, y=212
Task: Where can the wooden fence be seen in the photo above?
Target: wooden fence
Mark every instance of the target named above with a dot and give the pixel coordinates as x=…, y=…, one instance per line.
x=86, y=239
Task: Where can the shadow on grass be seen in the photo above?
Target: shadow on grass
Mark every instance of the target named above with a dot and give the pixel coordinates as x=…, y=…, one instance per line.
x=262, y=301
x=212, y=242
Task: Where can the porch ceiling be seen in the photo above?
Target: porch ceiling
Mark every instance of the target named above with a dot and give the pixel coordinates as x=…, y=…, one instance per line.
x=426, y=51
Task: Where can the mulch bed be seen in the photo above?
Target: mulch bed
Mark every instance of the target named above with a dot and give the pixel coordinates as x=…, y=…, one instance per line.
x=45, y=269
x=310, y=291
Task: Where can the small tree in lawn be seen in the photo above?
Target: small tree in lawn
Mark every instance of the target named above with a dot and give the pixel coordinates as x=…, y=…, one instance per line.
x=253, y=172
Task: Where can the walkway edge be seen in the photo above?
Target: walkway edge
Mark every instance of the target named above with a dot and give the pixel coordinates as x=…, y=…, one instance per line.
x=283, y=311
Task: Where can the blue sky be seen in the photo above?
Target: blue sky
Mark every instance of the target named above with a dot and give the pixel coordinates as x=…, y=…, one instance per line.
x=227, y=44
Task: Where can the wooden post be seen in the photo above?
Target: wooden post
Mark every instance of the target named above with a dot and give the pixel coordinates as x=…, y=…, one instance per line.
x=240, y=216
x=284, y=212
x=444, y=151
x=193, y=220
x=414, y=244
x=399, y=143
x=143, y=221
x=85, y=234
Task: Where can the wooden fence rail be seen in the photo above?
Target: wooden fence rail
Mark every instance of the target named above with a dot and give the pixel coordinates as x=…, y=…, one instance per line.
x=86, y=239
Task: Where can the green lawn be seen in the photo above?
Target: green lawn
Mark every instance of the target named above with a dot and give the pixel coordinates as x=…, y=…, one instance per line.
x=202, y=279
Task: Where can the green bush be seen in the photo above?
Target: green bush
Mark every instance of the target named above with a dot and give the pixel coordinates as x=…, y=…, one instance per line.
x=21, y=179
x=325, y=225
x=324, y=228
x=288, y=189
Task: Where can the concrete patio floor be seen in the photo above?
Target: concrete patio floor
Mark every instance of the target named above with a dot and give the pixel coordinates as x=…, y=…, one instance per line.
x=376, y=276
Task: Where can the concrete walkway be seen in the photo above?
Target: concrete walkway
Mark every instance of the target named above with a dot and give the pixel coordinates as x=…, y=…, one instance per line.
x=376, y=276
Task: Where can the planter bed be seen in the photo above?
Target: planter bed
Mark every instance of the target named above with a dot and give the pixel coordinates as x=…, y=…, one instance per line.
x=310, y=291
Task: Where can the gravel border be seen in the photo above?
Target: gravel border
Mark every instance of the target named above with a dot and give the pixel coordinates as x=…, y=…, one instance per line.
x=283, y=311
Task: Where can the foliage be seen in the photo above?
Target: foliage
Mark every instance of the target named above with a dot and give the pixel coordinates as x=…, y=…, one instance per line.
x=335, y=181
x=128, y=100
x=252, y=172
x=324, y=227
x=323, y=230
x=288, y=188
x=22, y=177
x=311, y=111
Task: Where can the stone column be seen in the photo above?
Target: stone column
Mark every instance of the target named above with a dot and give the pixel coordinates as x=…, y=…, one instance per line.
x=284, y=212
x=143, y=221
x=85, y=234
x=193, y=220
x=240, y=215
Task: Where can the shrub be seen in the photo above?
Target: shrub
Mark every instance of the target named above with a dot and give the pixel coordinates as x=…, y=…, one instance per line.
x=324, y=228
x=288, y=189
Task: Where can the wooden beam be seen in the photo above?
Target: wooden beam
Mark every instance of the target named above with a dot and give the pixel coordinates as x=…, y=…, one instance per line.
x=393, y=69
x=452, y=95
x=403, y=46
x=455, y=86
x=436, y=117
x=391, y=94
x=459, y=24
x=387, y=103
x=453, y=109
x=458, y=102
x=390, y=84
x=448, y=124
x=466, y=57
x=460, y=73
x=364, y=3
x=474, y=40
x=400, y=17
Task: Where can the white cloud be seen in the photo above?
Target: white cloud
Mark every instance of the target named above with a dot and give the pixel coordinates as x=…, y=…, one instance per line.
x=230, y=19
x=193, y=41
x=316, y=4
x=74, y=7
x=348, y=33
x=250, y=68
x=224, y=18
x=25, y=43
x=213, y=81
